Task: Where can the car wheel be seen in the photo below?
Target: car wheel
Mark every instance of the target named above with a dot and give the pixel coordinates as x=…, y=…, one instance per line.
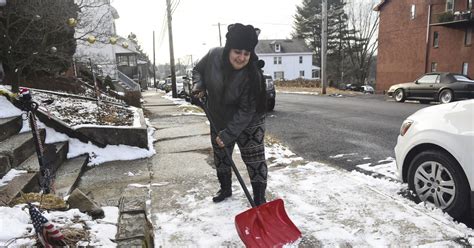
x=446, y=96
x=436, y=177
x=271, y=104
x=399, y=95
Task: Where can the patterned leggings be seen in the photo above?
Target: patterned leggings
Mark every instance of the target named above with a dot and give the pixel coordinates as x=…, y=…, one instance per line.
x=252, y=150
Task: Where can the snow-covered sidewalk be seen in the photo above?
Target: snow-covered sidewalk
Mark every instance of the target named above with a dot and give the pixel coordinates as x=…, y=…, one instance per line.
x=331, y=207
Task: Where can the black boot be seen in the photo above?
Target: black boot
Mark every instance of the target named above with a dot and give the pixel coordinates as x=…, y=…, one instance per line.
x=259, y=193
x=225, y=180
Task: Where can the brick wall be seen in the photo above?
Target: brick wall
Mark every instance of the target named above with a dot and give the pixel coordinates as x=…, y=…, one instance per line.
x=403, y=54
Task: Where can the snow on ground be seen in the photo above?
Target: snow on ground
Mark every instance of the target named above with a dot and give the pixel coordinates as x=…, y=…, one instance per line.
x=16, y=227
x=331, y=207
x=7, y=108
x=297, y=92
x=97, y=155
x=16, y=223
x=10, y=175
x=186, y=107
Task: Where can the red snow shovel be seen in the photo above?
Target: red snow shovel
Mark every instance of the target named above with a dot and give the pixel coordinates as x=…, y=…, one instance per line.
x=267, y=225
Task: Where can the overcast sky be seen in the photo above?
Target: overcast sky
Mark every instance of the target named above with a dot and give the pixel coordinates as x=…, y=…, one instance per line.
x=195, y=27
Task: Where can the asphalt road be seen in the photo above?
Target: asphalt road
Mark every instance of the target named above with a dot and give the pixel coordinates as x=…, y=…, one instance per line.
x=364, y=127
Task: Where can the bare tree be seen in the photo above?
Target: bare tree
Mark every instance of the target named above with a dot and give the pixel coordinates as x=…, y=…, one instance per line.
x=37, y=40
x=94, y=19
x=36, y=37
x=362, y=49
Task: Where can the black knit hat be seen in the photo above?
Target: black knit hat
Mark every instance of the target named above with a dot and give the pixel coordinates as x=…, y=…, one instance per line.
x=240, y=36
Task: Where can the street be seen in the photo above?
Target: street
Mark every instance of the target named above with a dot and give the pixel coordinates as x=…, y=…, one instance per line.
x=340, y=131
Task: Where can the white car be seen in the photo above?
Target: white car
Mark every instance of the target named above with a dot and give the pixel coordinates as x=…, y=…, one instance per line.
x=367, y=89
x=435, y=155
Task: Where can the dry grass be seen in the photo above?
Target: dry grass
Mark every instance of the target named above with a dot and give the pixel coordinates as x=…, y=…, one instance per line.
x=191, y=108
x=48, y=201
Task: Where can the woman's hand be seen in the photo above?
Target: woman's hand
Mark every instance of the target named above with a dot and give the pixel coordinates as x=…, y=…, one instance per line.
x=219, y=142
x=199, y=94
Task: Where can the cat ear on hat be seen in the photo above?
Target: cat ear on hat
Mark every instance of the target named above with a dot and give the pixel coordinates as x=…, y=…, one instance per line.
x=257, y=31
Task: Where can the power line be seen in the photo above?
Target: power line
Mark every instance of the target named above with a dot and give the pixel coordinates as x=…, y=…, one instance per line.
x=176, y=4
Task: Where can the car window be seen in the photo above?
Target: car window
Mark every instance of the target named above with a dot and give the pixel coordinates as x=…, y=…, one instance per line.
x=429, y=79
x=463, y=78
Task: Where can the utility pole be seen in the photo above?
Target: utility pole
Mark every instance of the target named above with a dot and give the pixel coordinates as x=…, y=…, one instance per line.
x=219, y=27
x=154, y=66
x=97, y=92
x=324, y=41
x=170, y=35
x=220, y=39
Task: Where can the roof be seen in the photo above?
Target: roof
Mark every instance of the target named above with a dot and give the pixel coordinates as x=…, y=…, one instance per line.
x=380, y=5
x=120, y=49
x=286, y=46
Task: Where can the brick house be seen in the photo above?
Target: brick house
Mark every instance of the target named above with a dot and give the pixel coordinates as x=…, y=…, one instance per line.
x=419, y=36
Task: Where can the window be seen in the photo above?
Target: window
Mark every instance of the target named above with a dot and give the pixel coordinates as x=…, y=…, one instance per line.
x=301, y=73
x=122, y=60
x=464, y=68
x=301, y=59
x=468, y=36
x=132, y=60
x=277, y=47
x=435, y=39
x=429, y=79
x=277, y=60
x=463, y=78
x=449, y=5
x=279, y=75
x=413, y=11
x=469, y=4
x=434, y=65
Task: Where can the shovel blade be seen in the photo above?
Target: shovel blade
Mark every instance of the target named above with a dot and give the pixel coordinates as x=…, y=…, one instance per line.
x=267, y=225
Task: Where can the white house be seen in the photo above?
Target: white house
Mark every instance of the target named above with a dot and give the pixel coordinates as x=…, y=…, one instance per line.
x=117, y=59
x=286, y=59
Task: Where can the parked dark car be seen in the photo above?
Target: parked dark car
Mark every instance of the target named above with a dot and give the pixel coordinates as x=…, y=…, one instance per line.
x=188, y=87
x=271, y=93
x=352, y=87
x=179, y=85
x=444, y=87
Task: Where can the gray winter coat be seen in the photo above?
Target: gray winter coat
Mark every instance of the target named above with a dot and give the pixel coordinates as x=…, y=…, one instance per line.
x=231, y=103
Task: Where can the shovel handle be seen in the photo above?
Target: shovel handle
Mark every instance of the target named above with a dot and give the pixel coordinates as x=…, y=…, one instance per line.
x=234, y=168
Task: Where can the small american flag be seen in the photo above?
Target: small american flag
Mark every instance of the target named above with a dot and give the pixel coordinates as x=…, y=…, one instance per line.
x=48, y=235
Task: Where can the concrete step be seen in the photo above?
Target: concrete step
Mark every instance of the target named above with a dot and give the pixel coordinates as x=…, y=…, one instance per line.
x=10, y=126
x=55, y=154
x=26, y=182
x=69, y=174
x=19, y=147
x=4, y=165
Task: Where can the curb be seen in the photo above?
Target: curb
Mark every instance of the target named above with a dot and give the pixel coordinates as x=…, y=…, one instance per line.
x=133, y=228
